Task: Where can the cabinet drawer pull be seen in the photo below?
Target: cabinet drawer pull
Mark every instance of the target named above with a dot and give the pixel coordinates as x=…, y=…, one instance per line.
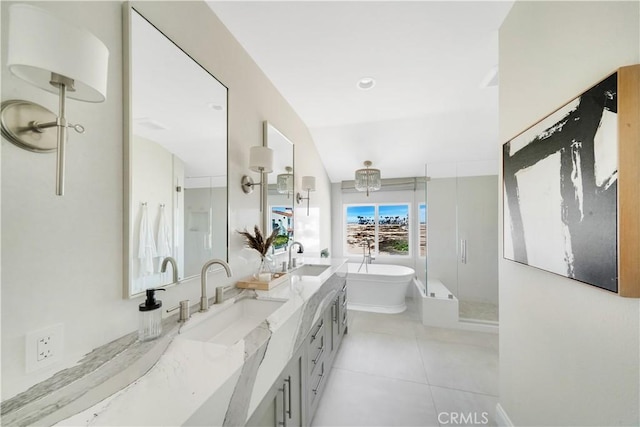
x=319, y=355
x=334, y=312
x=344, y=303
x=314, y=336
x=317, y=387
x=284, y=406
x=344, y=288
x=288, y=381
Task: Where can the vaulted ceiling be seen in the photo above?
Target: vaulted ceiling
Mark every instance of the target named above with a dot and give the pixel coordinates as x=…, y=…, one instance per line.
x=431, y=60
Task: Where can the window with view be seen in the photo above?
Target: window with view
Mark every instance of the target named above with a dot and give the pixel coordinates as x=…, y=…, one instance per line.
x=384, y=228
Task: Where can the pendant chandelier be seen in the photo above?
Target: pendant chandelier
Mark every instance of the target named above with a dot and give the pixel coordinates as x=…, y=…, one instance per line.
x=368, y=179
x=285, y=182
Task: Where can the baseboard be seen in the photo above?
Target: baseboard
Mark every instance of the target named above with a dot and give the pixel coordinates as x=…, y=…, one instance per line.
x=478, y=326
x=502, y=419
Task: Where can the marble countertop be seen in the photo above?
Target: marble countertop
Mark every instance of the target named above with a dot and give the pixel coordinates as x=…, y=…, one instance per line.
x=176, y=380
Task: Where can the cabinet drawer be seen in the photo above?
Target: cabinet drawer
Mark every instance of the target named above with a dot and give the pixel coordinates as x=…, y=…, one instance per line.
x=317, y=331
x=316, y=353
x=316, y=384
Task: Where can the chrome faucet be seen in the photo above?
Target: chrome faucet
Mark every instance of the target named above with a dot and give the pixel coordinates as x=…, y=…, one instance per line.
x=174, y=266
x=291, y=246
x=204, y=302
x=221, y=293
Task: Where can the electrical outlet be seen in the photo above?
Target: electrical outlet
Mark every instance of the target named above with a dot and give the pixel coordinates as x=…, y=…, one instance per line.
x=44, y=347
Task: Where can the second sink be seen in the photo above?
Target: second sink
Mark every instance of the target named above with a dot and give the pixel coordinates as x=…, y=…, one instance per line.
x=310, y=270
x=233, y=323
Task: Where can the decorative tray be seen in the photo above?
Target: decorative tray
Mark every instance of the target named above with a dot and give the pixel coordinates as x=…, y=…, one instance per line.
x=276, y=279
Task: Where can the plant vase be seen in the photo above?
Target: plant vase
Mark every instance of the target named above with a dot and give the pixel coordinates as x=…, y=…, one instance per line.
x=265, y=270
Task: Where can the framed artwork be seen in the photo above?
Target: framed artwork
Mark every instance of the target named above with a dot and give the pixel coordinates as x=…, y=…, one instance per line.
x=569, y=197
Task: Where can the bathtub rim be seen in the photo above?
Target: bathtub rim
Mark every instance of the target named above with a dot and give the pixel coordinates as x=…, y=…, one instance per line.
x=407, y=273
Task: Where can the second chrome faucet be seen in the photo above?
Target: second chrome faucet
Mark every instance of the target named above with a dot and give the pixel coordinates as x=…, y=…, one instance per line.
x=204, y=301
x=174, y=266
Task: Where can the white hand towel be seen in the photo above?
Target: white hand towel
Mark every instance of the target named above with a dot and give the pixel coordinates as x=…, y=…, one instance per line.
x=147, y=245
x=164, y=246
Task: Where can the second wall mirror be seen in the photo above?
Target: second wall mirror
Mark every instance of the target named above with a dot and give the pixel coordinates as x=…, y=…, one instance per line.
x=278, y=209
x=175, y=160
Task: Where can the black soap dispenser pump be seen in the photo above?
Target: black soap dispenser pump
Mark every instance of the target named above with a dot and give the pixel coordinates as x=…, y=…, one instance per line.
x=150, y=324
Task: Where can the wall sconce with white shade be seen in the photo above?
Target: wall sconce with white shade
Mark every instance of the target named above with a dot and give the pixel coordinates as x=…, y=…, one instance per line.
x=260, y=160
x=57, y=57
x=308, y=185
x=368, y=179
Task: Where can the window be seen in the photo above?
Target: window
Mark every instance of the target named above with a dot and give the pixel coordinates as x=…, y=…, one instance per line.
x=385, y=228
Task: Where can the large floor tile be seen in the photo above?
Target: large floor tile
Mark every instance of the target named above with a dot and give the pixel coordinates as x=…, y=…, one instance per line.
x=394, y=324
x=457, y=407
x=460, y=366
x=483, y=339
x=355, y=399
x=381, y=354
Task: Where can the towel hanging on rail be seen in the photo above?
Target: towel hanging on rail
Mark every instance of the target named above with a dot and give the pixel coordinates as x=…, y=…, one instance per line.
x=146, y=244
x=164, y=246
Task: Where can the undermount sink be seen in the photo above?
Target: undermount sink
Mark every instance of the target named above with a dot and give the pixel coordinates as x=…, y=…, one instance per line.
x=310, y=270
x=233, y=323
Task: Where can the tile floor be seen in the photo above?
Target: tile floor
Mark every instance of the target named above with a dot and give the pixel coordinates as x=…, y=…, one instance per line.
x=392, y=371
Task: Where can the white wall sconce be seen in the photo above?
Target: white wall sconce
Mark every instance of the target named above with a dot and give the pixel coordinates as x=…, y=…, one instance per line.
x=260, y=160
x=59, y=58
x=308, y=185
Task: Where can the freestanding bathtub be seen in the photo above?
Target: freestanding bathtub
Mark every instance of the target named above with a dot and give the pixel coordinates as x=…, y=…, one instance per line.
x=380, y=288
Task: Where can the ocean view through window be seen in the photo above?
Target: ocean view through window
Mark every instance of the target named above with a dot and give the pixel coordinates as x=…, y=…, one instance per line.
x=384, y=228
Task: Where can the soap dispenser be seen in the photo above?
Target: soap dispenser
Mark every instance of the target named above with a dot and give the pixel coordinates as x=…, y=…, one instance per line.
x=150, y=325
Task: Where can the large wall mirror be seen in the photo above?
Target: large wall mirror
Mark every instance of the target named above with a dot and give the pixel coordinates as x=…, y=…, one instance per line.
x=278, y=209
x=175, y=160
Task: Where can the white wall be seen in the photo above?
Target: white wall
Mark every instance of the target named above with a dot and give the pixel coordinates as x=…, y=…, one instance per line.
x=62, y=256
x=569, y=353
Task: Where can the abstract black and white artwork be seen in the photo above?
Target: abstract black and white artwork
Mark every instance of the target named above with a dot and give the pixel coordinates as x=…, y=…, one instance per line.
x=560, y=190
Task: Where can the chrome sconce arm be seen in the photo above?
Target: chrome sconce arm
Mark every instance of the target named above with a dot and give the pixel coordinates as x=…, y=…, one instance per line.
x=308, y=185
x=261, y=161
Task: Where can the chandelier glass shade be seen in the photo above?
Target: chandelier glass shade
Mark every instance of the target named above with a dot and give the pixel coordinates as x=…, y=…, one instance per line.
x=285, y=181
x=368, y=179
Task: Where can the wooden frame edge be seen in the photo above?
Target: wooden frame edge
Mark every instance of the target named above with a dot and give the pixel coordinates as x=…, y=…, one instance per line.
x=629, y=181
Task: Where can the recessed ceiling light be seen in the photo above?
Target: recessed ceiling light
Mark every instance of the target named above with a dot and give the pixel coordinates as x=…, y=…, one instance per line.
x=366, y=83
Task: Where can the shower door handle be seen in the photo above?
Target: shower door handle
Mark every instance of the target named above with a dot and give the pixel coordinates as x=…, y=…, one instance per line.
x=463, y=251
